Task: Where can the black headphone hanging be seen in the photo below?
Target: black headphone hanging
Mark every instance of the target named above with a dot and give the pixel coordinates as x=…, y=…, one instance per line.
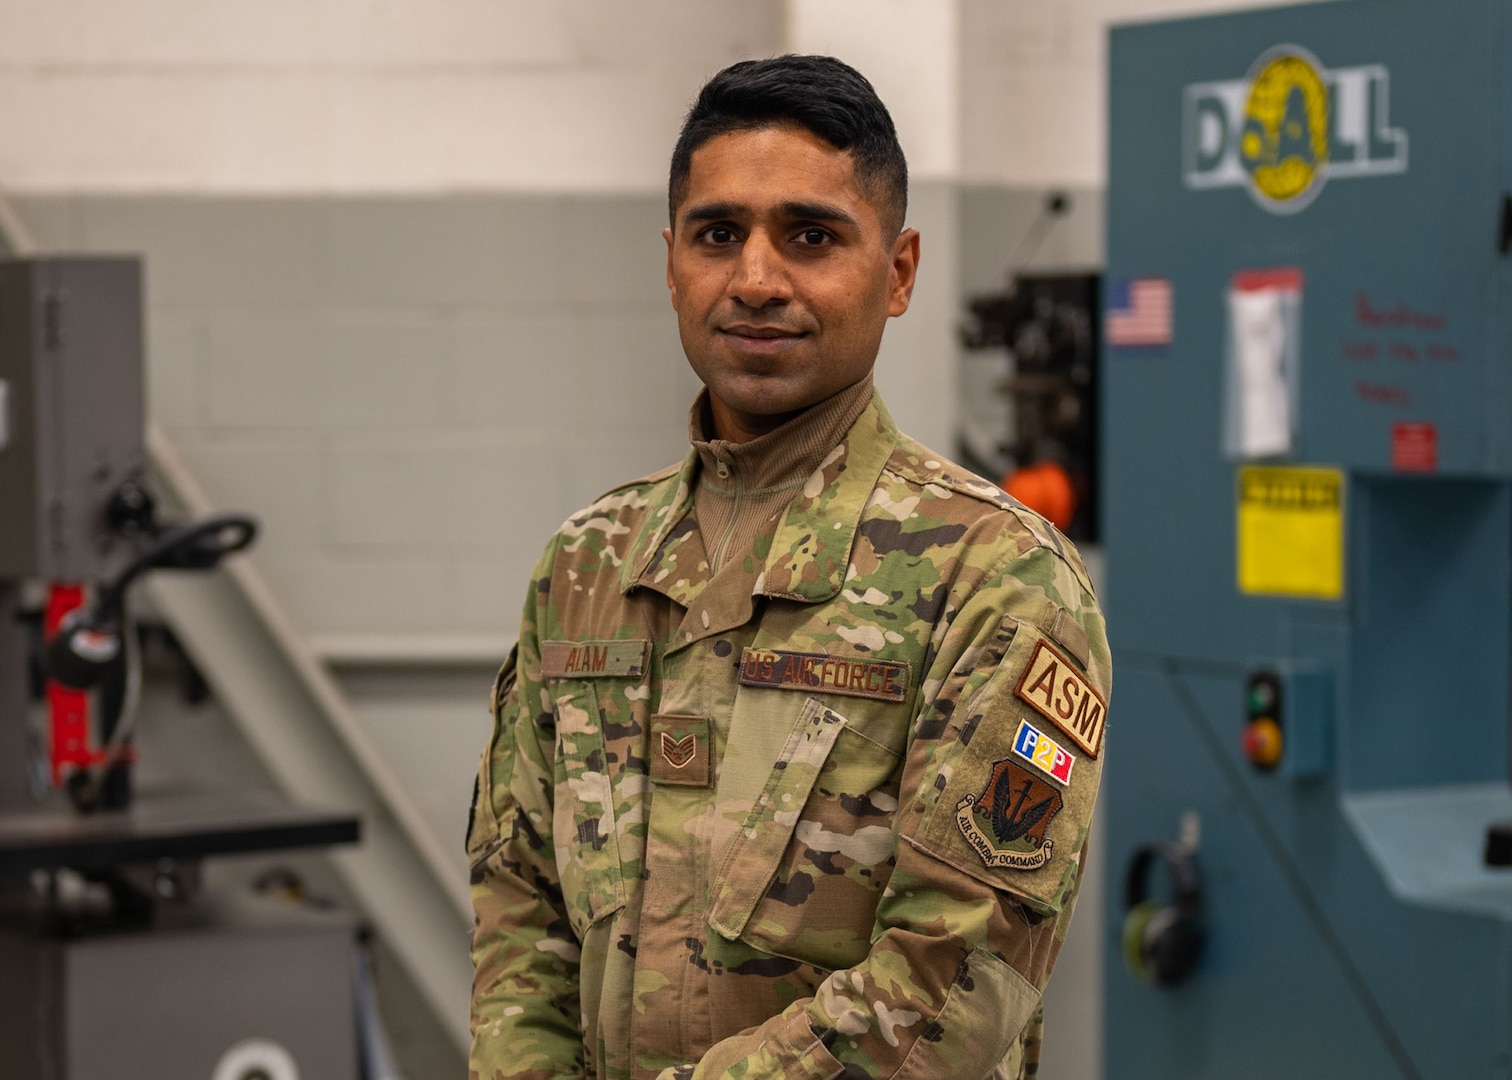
x=1161, y=941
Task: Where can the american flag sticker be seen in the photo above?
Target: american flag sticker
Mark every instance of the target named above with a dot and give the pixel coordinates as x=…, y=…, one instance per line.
x=1138, y=312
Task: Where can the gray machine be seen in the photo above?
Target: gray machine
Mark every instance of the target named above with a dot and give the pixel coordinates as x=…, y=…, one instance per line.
x=1308, y=521
x=114, y=962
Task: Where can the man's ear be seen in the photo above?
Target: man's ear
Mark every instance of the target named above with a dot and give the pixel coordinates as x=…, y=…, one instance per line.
x=905, y=268
x=671, y=283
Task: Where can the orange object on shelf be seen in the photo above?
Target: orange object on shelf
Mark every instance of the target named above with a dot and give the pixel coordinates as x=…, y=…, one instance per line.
x=1044, y=487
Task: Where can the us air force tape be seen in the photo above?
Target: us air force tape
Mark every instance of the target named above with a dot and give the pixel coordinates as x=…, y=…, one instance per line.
x=868, y=677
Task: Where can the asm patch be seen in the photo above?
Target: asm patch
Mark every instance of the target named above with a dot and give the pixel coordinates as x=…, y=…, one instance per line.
x=1005, y=823
x=885, y=680
x=1056, y=689
x=594, y=659
x=1043, y=752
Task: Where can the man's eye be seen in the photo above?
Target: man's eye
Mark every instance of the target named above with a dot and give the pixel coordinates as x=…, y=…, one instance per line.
x=814, y=237
x=719, y=234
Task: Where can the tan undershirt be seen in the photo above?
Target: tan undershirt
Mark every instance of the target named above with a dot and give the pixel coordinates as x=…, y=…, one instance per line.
x=743, y=485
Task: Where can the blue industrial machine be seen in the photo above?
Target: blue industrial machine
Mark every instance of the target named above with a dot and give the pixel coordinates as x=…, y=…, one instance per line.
x=1307, y=403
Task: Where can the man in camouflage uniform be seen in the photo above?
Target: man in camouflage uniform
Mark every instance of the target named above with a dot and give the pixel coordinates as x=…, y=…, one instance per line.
x=793, y=765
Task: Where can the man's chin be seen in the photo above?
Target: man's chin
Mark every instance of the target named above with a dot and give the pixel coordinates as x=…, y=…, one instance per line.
x=754, y=410
x=764, y=401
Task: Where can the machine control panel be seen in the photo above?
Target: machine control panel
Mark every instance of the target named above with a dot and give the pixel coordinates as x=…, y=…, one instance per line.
x=1262, y=741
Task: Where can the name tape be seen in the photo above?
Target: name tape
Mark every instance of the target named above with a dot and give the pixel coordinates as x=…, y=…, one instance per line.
x=594, y=659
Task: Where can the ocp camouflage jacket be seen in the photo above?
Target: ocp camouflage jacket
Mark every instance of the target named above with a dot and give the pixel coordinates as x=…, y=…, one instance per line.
x=821, y=812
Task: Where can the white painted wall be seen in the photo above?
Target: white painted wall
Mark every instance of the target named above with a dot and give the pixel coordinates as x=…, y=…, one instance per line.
x=300, y=96
x=910, y=51
x=357, y=95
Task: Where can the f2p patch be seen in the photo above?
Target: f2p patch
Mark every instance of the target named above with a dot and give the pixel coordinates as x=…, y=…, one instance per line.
x=1043, y=752
x=1058, y=692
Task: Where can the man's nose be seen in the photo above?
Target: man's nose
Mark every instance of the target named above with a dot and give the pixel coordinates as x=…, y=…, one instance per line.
x=760, y=277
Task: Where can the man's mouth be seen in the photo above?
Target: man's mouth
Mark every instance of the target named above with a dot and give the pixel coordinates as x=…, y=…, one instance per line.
x=761, y=333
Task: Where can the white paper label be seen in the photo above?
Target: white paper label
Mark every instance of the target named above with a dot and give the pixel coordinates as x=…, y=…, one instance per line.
x=1260, y=343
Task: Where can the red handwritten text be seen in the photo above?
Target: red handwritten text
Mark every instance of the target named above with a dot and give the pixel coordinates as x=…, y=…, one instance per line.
x=1382, y=393
x=1401, y=315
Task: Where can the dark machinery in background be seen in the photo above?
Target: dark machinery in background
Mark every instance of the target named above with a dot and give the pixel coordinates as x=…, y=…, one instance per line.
x=1307, y=518
x=1048, y=325
x=114, y=961
x=92, y=643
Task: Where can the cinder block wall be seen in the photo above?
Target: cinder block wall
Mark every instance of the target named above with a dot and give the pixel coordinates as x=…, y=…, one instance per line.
x=412, y=392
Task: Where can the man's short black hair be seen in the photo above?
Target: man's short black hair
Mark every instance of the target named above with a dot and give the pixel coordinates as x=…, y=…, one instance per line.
x=820, y=94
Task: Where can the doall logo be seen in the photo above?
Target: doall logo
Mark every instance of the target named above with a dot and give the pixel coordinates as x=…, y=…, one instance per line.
x=1288, y=127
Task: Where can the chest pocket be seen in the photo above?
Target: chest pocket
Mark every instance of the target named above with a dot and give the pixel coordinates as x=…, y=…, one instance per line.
x=584, y=822
x=805, y=871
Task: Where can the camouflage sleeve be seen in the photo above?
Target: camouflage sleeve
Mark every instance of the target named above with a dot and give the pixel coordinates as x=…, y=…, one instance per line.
x=525, y=1005
x=996, y=799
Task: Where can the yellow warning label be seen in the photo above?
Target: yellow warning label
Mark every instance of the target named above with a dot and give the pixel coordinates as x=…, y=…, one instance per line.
x=1291, y=531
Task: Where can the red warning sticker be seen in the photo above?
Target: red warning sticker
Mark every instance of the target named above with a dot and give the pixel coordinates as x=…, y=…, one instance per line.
x=1414, y=448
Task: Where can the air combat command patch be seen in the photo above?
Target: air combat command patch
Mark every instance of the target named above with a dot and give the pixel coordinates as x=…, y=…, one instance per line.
x=1005, y=823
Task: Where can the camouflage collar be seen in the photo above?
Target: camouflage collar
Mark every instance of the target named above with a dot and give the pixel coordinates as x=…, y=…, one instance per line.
x=812, y=545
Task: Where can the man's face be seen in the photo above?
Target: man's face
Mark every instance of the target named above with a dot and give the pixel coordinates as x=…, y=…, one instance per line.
x=781, y=275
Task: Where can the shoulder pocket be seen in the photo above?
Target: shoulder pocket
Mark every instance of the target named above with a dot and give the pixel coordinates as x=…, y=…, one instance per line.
x=805, y=871
x=1017, y=779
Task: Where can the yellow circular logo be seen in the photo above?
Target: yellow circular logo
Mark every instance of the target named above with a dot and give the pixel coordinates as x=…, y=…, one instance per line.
x=1284, y=144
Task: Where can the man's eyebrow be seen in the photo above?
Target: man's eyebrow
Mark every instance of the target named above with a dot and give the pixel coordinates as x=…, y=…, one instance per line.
x=714, y=211
x=808, y=211
x=812, y=211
